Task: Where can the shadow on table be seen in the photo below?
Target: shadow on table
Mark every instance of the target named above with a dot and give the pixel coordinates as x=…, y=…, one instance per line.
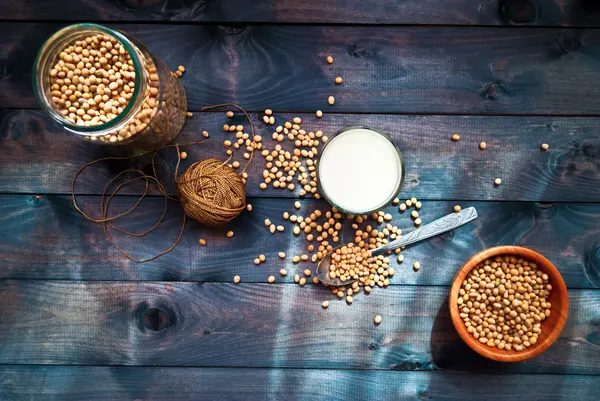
x=449, y=352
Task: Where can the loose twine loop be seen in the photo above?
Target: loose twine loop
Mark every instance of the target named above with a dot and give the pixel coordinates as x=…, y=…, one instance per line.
x=209, y=191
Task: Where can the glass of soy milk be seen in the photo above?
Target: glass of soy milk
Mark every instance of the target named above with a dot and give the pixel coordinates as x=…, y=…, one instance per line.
x=360, y=170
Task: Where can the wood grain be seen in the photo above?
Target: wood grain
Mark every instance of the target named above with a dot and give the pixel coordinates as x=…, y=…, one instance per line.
x=46, y=238
x=551, y=327
x=38, y=157
x=447, y=12
x=65, y=383
x=386, y=69
x=260, y=325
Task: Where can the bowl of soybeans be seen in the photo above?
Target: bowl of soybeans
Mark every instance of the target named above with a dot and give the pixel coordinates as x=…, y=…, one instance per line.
x=509, y=303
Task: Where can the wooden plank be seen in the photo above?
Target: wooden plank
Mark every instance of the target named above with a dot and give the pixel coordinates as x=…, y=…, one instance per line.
x=386, y=69
x=38, y=157
x=47, y=239
x=461, y=12
x=260, y=325
x=67, y=383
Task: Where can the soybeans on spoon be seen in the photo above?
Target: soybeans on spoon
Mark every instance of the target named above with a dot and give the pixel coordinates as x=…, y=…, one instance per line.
x=439, y=226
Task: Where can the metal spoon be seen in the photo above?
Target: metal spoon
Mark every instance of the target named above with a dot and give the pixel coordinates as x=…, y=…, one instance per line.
x=446, y=223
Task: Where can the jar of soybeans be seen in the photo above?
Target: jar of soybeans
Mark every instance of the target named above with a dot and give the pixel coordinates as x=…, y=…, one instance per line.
x=106, y=87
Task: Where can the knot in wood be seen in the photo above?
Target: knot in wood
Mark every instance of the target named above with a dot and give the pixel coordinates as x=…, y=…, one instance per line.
x=569, y=44
x=518, y=12
x=356, y=50
x=156, y=319
x=545, y=210
x=152, y=319
x=545, y=205
x=373, y=347
x=493, y=91
x=231, y=30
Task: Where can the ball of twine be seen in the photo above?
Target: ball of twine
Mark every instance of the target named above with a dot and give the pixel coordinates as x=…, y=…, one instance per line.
x=211, y=192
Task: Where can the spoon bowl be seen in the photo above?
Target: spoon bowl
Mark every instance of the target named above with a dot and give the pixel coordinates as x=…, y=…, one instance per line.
x=323, y=271
x=446, y=223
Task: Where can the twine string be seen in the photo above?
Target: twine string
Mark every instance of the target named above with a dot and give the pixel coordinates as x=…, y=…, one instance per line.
x=209, y=191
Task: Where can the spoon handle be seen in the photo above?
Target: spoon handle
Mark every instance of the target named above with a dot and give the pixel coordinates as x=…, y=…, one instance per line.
x=446, y=223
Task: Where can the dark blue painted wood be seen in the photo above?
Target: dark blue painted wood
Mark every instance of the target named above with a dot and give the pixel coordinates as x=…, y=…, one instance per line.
x=386, y=69
x=261, y=325
x=54, y=383
x=38, y=157
x=446, y=12
x=46, y=238
x=474, y=70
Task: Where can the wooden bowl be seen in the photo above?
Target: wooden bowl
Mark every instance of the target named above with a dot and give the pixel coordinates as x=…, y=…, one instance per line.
x=551, y=327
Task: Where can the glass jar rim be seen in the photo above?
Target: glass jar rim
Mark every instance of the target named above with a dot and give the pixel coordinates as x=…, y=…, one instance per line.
x=93, y=130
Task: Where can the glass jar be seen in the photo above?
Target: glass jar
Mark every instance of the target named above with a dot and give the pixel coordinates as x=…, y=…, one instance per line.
x=141, y=106
x=360, y=170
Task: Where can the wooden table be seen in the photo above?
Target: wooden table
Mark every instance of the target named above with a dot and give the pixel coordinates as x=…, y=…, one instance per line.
x=78, y=321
